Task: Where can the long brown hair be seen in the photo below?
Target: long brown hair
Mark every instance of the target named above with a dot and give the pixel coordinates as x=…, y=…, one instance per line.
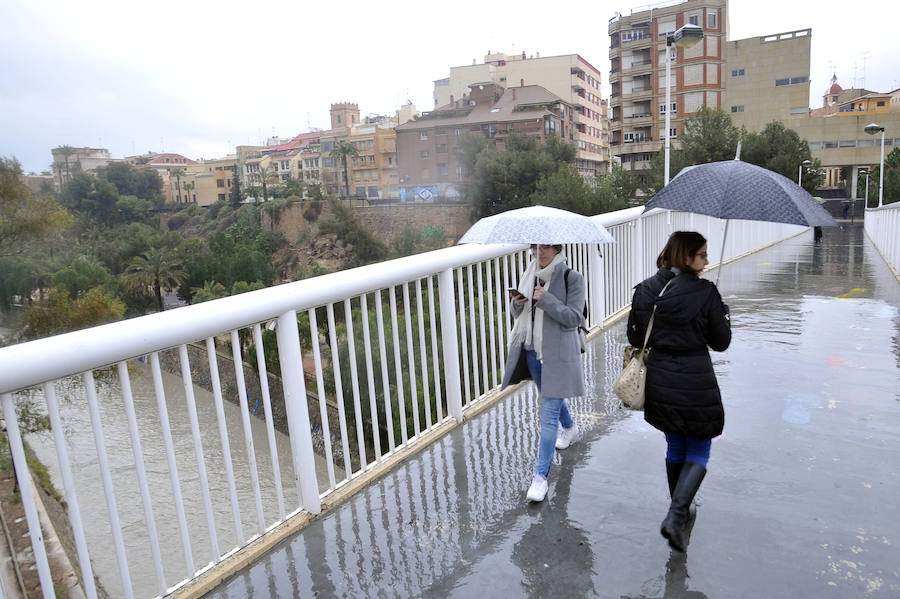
x=680, y=249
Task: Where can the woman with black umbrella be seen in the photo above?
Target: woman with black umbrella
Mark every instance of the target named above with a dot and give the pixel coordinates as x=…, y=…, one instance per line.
x=682, y=397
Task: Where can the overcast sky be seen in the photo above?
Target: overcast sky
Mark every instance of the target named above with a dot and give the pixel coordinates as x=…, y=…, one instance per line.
x=198, y=77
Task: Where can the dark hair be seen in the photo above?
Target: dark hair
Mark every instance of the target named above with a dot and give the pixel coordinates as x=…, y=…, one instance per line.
x=557, y=247
x=680, y=249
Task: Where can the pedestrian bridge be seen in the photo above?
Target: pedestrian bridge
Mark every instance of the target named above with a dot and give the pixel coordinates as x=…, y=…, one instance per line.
x=417, y=486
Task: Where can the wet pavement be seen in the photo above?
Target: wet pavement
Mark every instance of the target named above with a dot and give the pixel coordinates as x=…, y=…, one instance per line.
x=801, y=498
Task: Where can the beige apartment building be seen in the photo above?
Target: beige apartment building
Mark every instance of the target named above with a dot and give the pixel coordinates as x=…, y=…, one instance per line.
x=208, y=181
x=427, y=147
x=767, y=79
x=836, y=132
x=638, y=75
x=68, y=160
x=570, y=77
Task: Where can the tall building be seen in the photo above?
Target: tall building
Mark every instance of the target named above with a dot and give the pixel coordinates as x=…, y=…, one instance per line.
x=427, y=147
x=372, y=172
x=569, y=77
x=767, y=79
x=638, y=75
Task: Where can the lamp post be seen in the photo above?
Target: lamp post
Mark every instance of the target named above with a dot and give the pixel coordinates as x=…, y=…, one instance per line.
x=800, y=172
x=866, y=173
x=872, y=129
x=685, y=37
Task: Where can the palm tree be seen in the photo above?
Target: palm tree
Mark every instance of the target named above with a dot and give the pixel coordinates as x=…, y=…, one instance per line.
x=66, y=151
x=267, y=176
x=177, y=173
x=341, y=150
x=157, y=269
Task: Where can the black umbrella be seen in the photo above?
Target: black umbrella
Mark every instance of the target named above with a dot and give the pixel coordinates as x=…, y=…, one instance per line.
x=732, y=189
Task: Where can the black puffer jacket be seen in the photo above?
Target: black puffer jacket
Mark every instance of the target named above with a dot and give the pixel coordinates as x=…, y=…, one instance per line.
x=682, y=394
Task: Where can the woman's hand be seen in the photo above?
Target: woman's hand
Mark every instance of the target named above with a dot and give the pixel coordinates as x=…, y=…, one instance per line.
x=538, y=293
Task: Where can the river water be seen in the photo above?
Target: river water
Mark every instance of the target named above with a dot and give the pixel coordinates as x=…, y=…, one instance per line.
x=89, y=488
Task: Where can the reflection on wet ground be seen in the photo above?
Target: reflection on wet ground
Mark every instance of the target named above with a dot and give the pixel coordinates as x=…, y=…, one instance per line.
x=800, y=500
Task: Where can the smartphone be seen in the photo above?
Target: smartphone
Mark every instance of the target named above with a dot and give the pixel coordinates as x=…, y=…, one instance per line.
x=516, y=293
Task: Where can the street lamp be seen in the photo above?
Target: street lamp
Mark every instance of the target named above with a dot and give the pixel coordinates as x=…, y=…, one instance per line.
x=872, y=129
x=800, y=173
x=866, y=173
x=685, y=37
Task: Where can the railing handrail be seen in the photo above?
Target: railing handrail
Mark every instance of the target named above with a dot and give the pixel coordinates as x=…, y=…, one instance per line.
x=51, y=358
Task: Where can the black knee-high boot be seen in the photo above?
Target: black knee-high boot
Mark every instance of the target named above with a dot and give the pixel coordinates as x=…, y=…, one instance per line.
x=673, y=471
x=674, y=526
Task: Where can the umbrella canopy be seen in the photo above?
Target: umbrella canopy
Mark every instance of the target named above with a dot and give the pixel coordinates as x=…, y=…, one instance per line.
x=740, y=190
x=537, y=224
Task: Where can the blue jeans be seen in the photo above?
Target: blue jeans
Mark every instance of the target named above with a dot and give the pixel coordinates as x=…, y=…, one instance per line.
x=554, y=410
x=681, y=448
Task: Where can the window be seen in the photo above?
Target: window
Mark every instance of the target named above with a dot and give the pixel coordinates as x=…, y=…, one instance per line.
x=847, y=143
x=800, y=110
x=673, y=132
x=221, y=197
x=711, y=19
x=372, y=160
x=373, y=192
x=799, y=80
x=441, y=148
x=423, y=135
x=360, y=192
x=880, y=103
x=442, y=170
x=737, y=73
x=694, y=19
x=780, y=82
x=737, y=108
x=424, y=154
x=674, y=109
x=220, y=183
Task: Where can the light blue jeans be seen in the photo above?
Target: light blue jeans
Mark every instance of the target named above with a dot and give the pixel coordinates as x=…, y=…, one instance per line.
x=554, y=411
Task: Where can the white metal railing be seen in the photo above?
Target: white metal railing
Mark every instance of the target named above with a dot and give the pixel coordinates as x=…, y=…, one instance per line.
x=400, y=346
x=883, y=228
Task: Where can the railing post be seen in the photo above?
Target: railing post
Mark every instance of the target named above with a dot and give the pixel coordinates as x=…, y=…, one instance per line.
x=295, y=404
x=598, y=293
x=450, y=343
x=23, y=475
x=638, y=265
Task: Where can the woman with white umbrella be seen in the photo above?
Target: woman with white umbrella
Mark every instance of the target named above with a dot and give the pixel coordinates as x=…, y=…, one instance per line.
x=546, y=347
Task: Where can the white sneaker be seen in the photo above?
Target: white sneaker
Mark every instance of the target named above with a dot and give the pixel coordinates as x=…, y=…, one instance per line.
x=538, y=489
x=565, y=437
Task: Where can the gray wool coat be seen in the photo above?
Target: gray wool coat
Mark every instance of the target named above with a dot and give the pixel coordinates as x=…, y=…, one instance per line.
x=561, y=370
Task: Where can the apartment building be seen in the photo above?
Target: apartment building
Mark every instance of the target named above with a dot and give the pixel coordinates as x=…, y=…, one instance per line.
x=208, y=181
x=569, y=77
x=427, y=147
x=638, y=75
x=372, y=173
x=836, y=132
x=767, y=79
x=68, y=160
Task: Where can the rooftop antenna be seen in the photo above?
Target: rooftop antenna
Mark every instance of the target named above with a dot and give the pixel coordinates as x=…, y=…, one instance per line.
x=863, y=85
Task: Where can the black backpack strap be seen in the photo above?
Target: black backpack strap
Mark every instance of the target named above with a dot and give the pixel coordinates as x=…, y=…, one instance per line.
x=566, y=281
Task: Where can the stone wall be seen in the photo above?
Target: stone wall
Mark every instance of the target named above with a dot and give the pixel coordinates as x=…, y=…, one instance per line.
x=385, y=222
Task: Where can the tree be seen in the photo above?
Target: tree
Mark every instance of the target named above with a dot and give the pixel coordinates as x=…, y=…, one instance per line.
x=66, y=151
x=24, y=217
x=780, y=149
x=341, y=150
x=501, y=180
x=708, y=135
x=177, y=173
x=62, y=313
x=891, y=180
x=615, y=190
x=366, y=247
x=266, y=176
x=142, y=183
x=156, y=269
x=211, y=290
x=236, y=197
